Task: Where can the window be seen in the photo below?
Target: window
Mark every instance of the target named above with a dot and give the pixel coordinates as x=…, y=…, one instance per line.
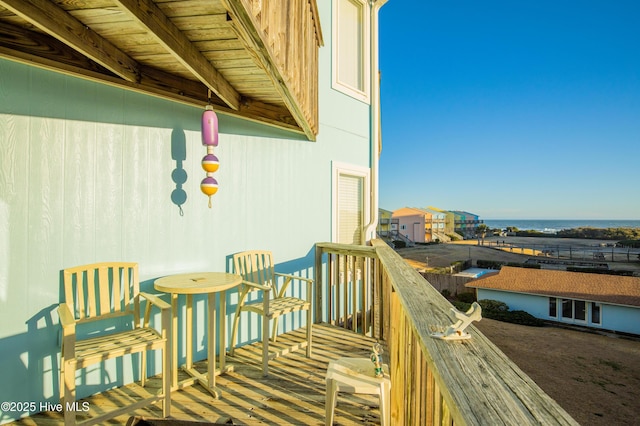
x=571, y=309
x=567, y=308
x=580, y=310
x=595, y=313
x=351, y=48
x=403, y=227
x=350, y=205
x=553, y=307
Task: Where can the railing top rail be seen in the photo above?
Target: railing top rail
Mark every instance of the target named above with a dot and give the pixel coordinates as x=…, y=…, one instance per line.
x=480, y=384
x=347, y=249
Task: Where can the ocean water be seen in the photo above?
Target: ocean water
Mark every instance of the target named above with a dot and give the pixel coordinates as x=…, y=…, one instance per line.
x=551, y=225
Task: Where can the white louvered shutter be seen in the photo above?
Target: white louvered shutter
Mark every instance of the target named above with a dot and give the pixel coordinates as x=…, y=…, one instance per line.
x=350, y=209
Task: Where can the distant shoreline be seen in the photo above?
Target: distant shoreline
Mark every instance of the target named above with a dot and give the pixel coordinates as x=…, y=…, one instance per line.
x=555, y=225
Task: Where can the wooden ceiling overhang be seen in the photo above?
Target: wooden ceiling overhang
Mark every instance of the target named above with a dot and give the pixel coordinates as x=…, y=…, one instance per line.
x=254, y=59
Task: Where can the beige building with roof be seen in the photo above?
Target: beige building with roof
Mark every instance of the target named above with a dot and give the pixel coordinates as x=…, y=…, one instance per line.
x=608, y=302
x=421, y=225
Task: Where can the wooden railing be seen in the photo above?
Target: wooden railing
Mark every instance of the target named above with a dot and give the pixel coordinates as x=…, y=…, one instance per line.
x=350, y=299
x=291, y=32
x=432, y=381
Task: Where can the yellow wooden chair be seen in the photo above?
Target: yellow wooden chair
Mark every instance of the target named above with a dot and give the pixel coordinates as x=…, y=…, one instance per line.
x=103, y=291
x=257, y=270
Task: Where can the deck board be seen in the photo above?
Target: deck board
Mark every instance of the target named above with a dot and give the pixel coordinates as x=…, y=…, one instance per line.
x=293, y=393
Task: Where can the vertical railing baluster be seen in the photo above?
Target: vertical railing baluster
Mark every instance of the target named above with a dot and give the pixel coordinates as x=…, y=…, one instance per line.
x=364, y=286
x=353, y=291
x=345, y=293
x=331, y=278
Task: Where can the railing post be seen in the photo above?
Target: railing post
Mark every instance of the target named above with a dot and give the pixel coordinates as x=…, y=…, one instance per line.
x=319, y=286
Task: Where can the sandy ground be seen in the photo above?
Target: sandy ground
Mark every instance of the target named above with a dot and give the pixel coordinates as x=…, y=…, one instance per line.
x=595, y=377
x=440, y=255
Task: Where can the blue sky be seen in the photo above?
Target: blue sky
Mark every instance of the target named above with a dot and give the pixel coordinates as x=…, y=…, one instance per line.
x=512, y=109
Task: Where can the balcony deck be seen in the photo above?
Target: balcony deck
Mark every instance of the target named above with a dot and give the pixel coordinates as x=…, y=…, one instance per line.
x=293, y=393
x=469, y=382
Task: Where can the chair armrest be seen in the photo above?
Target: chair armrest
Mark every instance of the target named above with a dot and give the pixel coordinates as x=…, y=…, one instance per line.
x=68, y=323
x=265, y=297
x=294, y=277
x=164, y=311
x=287, y=280
x=256, y=285
x=155, y=300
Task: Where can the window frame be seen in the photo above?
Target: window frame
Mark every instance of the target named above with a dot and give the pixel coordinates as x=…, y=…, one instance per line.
x=362, y=94
x=599, y=306
x=566, y=305
x=568, y=310
x=553, y=303
x=585, y=314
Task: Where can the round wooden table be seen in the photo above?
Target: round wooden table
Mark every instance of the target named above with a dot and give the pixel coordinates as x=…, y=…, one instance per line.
x=209, y=283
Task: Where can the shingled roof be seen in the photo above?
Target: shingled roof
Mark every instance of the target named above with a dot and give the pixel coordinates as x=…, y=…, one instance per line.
x=614, y=289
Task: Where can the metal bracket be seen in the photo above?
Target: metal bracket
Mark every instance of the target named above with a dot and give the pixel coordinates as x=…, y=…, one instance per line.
x=457, y=331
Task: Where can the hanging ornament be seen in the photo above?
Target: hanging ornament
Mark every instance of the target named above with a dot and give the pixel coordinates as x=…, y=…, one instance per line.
x=210, y=163
x=209, y=127
x=209, y=186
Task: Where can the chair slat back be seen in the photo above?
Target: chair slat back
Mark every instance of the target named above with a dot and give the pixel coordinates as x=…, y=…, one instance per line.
x=102, y=290
x=255, y=266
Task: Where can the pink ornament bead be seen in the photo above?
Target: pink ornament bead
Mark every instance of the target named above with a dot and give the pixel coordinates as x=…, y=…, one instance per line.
x=209, y=127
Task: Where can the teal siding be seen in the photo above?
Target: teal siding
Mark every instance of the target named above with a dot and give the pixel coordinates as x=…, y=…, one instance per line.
x=535, y=305
x=621, y=318
x=88, y=173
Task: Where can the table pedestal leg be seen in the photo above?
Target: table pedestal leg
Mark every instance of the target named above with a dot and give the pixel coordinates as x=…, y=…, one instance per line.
x=174, y=342
x=208, y=380
x=211, y=369
x=189, y=333
x=223, y=330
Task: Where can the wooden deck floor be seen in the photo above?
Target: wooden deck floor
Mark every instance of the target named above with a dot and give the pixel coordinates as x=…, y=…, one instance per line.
x=293, y=394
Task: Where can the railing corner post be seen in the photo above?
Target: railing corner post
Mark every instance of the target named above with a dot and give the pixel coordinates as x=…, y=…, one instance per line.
x=318, y=284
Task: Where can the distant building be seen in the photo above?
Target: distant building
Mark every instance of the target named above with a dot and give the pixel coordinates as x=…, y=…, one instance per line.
x=412, y=223
x=449, y=220
x=386, y=224
x=421, y=225
x=609, y=302
x=466, y=224
x=438, y=222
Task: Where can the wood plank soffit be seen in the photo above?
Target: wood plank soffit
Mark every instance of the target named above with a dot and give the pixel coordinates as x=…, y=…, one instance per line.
x=59, y=24
x=147, y=14
x=36, y=49
x=41, y=33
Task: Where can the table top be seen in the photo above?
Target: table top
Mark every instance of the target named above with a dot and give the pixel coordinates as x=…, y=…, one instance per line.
x=197, y=282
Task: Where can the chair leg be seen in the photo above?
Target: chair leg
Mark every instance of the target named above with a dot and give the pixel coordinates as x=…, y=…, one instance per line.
x=166, y=381
x=69, y=393
x=274, y=332
x=309, y=332
x=330, y=401
x=143, y=368
x=61, y=384
x=265, y=346
x=385, y=401
x=234, y=332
